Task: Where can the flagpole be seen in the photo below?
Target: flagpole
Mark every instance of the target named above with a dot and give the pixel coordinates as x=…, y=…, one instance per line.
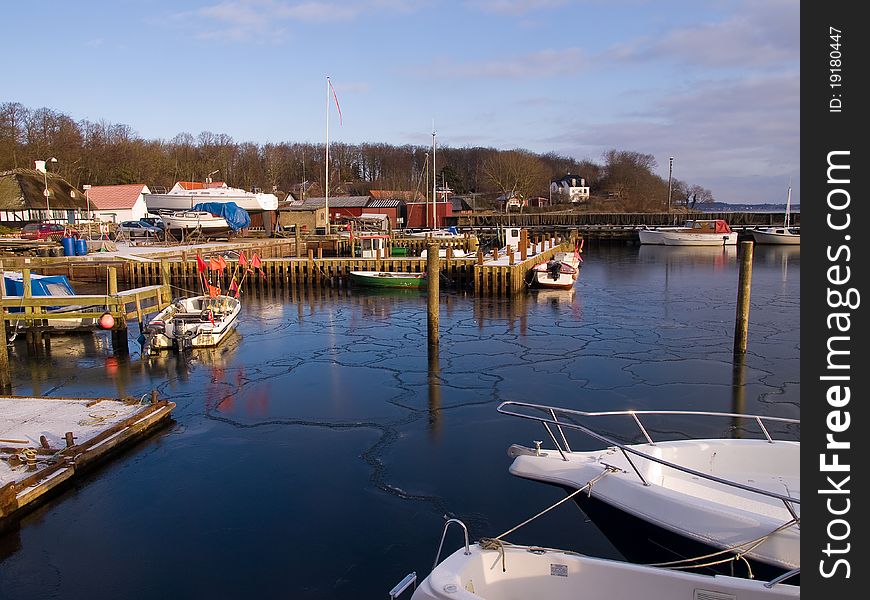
x=327, y=156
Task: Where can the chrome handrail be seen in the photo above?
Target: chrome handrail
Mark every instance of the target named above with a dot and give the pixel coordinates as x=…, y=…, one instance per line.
x=444, y=534
x=546, y=422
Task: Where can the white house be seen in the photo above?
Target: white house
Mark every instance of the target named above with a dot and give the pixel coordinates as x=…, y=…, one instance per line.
x=571, y=188
x=118, y=203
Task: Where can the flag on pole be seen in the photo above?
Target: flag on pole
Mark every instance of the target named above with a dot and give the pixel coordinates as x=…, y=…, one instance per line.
x=200, y=264
x=255, y=261
x=214, y=264
x=243, y=260
x=233, y=285
x=334, y=97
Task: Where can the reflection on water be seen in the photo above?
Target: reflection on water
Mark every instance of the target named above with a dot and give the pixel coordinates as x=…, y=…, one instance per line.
x=326, y=417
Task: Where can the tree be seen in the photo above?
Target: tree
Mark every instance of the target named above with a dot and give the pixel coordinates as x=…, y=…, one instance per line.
x=516, y=173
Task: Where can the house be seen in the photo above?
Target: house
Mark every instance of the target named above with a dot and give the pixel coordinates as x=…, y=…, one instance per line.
x=339, y=206
x=23, y=198
x=538, y=202
x=570, y=188
x=509, y=201
x=419, y=214
x=118, y=203
x=307, y=218
x=392, y=209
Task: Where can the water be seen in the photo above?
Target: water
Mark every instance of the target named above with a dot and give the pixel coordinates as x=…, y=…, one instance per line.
x=315, y=453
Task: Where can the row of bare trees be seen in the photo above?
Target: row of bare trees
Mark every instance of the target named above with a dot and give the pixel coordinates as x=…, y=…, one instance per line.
x=102, y=153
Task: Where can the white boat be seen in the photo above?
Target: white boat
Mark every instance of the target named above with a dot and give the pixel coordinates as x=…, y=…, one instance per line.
x=698, y=232
x=190, y=220
x=442, y=253
x=490, y=570
x=194, y=322
x=659, y=501
x=784, y=235
x=560, y=272
x=187, y=194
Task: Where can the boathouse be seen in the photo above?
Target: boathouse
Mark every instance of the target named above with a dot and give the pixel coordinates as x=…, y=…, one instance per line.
x=118, y=203
x=307, y=218
x=23, y=198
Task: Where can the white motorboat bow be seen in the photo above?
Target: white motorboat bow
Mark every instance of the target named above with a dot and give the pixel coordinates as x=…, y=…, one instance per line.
x=722, y=497
x=194, y=322
x=495, y=570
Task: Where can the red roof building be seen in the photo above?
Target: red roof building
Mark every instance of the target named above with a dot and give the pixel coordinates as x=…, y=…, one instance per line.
x=118, y=203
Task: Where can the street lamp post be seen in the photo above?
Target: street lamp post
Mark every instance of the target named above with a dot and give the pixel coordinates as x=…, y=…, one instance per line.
x=670, y=173
x=86, y=187
x=47, y=192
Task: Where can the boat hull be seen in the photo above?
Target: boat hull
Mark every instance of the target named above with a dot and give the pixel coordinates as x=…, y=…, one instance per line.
x=379, y=279
x=700, y=512
x=178, y=202
x=676, y=238
x=187, y=324
x=513, y=572
x=564, y=279
x=778, y=237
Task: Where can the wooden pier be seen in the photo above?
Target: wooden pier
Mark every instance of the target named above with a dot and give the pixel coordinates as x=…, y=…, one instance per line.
x=46, y=442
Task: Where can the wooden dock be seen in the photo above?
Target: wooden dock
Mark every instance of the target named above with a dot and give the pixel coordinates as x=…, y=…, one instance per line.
x=46, y=442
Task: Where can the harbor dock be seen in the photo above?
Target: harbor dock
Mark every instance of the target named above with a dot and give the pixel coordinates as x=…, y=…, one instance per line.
x=46, y=442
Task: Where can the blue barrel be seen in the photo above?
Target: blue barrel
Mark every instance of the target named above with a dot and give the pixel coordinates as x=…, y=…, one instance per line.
x=69, y=248
x=81, y=247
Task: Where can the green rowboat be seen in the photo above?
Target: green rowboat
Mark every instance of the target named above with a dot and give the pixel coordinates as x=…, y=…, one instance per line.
x=383, y=279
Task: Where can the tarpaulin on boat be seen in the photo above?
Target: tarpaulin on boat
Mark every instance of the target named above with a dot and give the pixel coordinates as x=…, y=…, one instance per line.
x=235, y=216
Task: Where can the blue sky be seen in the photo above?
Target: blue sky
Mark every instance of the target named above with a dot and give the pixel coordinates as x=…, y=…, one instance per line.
x=715, y=84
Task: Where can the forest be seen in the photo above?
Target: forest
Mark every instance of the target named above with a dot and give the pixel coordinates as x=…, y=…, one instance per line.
x=103, y=153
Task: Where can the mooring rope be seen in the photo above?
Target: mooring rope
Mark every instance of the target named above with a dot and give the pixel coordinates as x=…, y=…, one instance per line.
x=739, y=550
x=497, y=543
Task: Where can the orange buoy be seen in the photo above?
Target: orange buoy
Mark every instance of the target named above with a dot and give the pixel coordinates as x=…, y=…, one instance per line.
x=106, y=321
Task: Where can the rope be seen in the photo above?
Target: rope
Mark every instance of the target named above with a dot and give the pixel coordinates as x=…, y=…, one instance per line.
x=740, y=551
x=96, y=418
x=587, y=487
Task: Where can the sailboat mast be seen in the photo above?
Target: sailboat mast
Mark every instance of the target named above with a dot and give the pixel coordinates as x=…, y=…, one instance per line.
x=788, y=207
x=434, y=180
x=326, y=194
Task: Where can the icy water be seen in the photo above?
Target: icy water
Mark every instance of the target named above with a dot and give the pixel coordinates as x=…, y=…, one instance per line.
x=315, y=454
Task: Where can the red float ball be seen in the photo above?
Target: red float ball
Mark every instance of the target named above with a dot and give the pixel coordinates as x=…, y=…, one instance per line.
x=106, y=321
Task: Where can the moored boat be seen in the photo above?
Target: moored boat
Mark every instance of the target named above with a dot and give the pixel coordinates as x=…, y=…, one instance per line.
x=783, y=236
x=194, y=322
x=698, y=232
x=727, y=501
x=384, y=279
x=494, y=570
x=560, y=272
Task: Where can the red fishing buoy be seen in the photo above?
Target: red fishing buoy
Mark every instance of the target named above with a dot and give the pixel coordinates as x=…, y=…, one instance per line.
x=106, y=321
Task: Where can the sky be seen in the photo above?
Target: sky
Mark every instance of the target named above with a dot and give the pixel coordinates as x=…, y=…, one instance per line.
x=713, y=84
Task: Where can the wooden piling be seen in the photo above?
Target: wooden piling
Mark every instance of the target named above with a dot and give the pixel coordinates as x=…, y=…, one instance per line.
x=741, y=326
x=5, y=378
x=432, y=276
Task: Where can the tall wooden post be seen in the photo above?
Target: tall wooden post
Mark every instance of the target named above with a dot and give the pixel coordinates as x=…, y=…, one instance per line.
x=5, y=378
x=433, y=268
x=524, y=245
x=741, y=326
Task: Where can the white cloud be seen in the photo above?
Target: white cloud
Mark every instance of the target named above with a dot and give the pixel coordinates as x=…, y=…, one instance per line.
x=514, y=7
x=541, y=64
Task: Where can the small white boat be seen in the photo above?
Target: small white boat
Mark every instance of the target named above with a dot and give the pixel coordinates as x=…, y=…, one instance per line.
x=560, y=272
x=496, y=570
x=686, y=498
x=699, y=232
x=191, y=220
x=195, y=322
x=784, y=235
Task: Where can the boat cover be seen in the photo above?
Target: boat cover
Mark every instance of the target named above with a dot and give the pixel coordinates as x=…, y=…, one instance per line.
x=235, y=216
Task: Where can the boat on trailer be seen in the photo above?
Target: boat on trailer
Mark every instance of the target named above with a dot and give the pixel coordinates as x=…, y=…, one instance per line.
x=496, y=570
x=194, y=322
x=715, y=503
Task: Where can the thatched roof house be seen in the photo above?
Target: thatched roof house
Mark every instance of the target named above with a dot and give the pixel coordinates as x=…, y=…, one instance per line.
x=22, y=197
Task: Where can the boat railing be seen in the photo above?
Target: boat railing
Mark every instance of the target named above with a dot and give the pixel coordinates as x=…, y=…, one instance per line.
x=411, y=578
x=549, y=416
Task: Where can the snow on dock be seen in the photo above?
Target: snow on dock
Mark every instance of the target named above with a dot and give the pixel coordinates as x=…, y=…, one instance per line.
x=46, y=441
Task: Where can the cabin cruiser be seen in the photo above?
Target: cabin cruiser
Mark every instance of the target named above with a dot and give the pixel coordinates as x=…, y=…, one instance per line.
x=184, y=195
